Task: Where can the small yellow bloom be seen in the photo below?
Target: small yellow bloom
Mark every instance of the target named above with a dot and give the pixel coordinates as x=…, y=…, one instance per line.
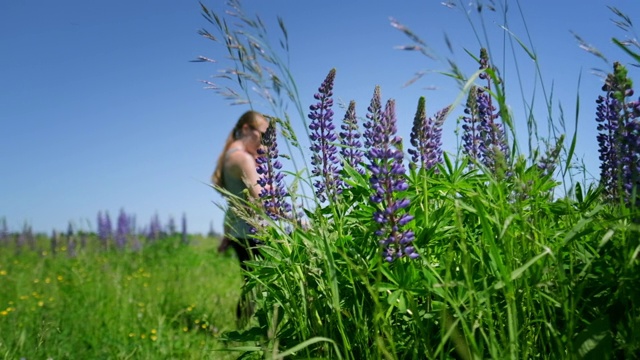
x=47, y=280
x=3, y=272
x=60, y=278
x=197, y=321
x=189, y=309
x=204, y=326
x=185, y=329
x=142, y=336
x=153, y=331
x=131, y=335
x=41, y=303
x=153, y=338
x=23, y=297
x=4, y=313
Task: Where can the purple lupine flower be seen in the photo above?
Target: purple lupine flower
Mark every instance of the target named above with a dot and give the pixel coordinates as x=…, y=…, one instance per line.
x=471, y=130
x=374, y=115
x=624, y=144
x=155, y=228
x=613, y=117
x=104, y=228
x=122, y=230
x=426, y=136
x=387, y=178
x=349, y=139
x=323, y=137
x=183, y=232
x=271, y=179
x=630, y=150
x=494, y=149
x=483, y=137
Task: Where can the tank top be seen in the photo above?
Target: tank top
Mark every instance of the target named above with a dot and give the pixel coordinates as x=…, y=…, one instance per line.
x=238, y=228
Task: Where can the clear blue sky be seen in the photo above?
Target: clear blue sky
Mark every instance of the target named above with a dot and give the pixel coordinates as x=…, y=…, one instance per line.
x=100, y=108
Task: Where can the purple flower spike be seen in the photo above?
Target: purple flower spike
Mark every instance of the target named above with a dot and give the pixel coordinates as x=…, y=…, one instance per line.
x=471, y=130
x=122, y=230
x=484, y=139
x=350, y=139
x=374, y=116
x=323, y=138
x=273, y=191
x=618, y=136
x=185, y=239
x=426, y=136
x=387, y=177
x=155, y=228
x=104, y=227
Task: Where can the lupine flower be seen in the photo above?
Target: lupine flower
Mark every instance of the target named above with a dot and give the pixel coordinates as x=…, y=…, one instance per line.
x=387, y=178
x=185, y=239
x=349, y=138
x=483, y=137
x=630, y=150
x=155, y=228
x=104, y=227
x=122, y=230
x=374, y=115
x=323, y=137
x=271, y=178
x=471, y=130
x=547, y=164
x=426, y=136
x=617, y=132
x=494, y=150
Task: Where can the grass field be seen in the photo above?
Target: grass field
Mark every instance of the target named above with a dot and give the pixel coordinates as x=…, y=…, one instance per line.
x=165, y=301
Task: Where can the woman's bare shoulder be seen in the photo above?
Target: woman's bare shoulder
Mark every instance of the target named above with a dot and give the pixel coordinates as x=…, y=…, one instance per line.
x=239, y=161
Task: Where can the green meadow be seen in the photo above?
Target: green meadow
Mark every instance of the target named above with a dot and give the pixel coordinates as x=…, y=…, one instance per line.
x=166, y=301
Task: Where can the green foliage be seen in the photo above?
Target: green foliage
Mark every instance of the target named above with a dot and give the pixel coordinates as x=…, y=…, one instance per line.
x=168, y=300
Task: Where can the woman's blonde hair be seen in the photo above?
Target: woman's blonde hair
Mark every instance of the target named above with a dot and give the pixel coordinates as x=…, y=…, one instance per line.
x=250, y=118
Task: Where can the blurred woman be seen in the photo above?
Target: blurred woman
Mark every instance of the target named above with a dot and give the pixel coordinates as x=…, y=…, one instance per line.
x=236, y=173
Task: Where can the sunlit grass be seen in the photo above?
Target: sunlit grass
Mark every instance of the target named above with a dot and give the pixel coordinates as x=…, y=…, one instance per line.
x=166, y=301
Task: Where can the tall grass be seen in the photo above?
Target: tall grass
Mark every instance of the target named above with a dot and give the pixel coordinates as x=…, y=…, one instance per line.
x=508, y=267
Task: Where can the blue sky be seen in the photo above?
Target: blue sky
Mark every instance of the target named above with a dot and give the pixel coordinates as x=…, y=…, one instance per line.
x=101, y=108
